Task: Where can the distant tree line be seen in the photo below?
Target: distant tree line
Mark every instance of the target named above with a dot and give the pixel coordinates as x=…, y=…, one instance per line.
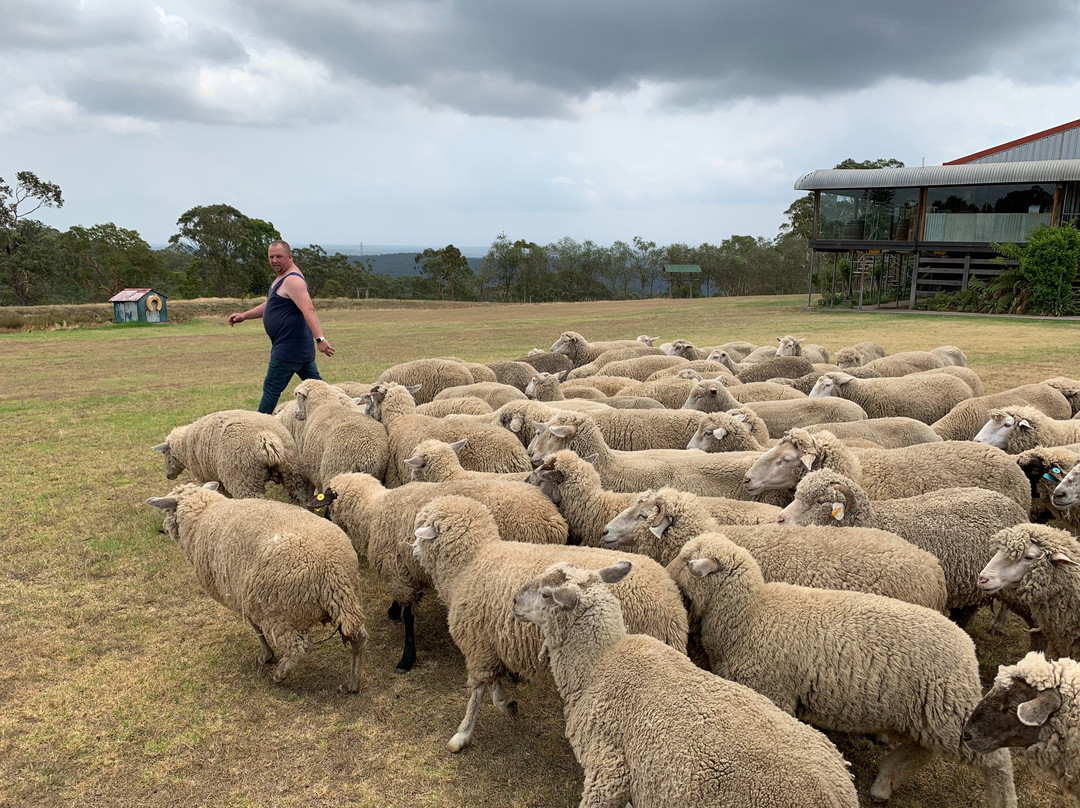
x=218, y=251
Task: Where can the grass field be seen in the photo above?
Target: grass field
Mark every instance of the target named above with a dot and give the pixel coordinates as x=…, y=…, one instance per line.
x=122, y=684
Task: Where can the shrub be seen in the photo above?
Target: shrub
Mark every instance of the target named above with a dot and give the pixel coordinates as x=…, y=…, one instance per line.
x=1047, y=264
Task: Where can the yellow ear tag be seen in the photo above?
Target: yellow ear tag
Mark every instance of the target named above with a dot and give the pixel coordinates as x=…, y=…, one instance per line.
x=838, y=511
x=320, y=497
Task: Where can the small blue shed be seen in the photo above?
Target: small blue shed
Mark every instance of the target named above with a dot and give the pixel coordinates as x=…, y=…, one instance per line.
x=139, y=305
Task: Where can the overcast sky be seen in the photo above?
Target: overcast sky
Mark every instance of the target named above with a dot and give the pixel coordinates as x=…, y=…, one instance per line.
x=429, y=122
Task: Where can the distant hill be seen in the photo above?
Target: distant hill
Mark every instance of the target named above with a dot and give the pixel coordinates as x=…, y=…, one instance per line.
x=400, y=263
x=370, y=250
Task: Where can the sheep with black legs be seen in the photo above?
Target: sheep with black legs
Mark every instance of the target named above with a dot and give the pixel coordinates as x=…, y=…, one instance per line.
x=1034, y=705
x=844, y=661
x=284, y=570
x=240, y=449
x=1039, y=566
x=659, y=523
x=956, y=525
x=476, y=575
x=651, y=728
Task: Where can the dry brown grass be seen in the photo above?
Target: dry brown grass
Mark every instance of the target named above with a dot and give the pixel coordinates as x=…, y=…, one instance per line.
x=123, y=684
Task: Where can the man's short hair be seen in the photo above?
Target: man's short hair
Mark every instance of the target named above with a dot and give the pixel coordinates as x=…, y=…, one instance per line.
x=281, y=242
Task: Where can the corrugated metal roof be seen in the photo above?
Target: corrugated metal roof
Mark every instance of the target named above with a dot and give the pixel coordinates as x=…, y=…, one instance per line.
x=128, y=295
x=932, y=176
x=1057, y=143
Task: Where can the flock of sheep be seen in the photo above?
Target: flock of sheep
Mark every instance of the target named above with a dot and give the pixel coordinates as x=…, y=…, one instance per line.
x=712, y=551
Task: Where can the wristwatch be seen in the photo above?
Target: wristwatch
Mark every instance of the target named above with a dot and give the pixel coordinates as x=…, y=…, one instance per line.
x=320, y=339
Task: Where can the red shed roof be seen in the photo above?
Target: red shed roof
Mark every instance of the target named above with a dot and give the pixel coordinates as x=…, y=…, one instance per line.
x=1014, y=143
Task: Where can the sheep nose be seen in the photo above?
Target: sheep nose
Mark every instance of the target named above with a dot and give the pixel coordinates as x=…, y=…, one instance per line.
x=781, y=519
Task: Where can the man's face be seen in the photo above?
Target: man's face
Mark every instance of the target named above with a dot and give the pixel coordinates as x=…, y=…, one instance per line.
x=279, y=257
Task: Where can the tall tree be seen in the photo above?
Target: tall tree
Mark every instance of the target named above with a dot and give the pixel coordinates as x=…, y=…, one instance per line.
x=445, y=267
x=332, y=275
x=29, y=195
x=227, y=249
x=647, y=263
x=108, y=259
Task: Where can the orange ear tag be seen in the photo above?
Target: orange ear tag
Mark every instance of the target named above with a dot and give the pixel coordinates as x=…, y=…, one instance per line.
x=838, y=511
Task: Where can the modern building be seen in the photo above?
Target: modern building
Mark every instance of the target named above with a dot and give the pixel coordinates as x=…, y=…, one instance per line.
x=917, y=231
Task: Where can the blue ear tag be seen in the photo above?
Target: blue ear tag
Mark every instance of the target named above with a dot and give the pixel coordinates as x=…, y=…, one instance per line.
x=1053, y=475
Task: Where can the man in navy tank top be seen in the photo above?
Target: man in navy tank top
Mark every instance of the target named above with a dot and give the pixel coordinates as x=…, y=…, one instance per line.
x=289, y=318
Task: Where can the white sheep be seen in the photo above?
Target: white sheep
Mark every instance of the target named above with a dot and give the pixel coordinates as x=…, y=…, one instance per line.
x=763, y=391
x=515, y=374
x=1035, y=705
x=634, y=430
x=494, y=393
x=859, y=354
x=573, y=484
x=671, y=391
x=923, y=397
x=905, y=362
x=1070, y=388
x=888, y=433
x=1018, y=429
x=428, y=376
x=379, y=522
x=1040, y=567
x=547, y=361
x=889, y=473
x=965, y=420
x=489, y=449
x=338, y=436
x=955, y=524
x=779, y=367
x=435, y=461
x=641, y=367
x=284, y=570
x=791, y=346
x=650, y=727
x=950, y=355
x=461, y=405
x=240, y=449
x=580, y=351
x=727, y=432
x=845, y=661
x=659, y=523
x=780, y=416
x=476, y=576
x=963, y=373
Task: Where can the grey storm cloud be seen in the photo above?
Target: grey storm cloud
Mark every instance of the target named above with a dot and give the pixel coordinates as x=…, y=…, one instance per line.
x=533, y=59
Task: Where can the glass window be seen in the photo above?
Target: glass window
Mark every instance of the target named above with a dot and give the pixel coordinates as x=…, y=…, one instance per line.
x=985, y=213
x=876, y=214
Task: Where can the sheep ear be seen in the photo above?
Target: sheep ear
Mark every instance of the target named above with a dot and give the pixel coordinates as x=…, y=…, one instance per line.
x=213, y=485
x=516, y=423
x=426, y=532
x=562, y=431
x=1035, y=712
x=358, y=401
x=1023, y=423
x=161, y=447
x=657, y=528
x=842, y=380
x=591, y=459
x=457, y=446
x=552, y=476
x=413, y=388
x=837, y=512
x=566, y=597
x=417, y=461
x=1060, y=558
x=163, y=503
x=703, y=566
x=616, y=572
x=562, y=374
x=719, y=433
x=741, y=416
x=808, y=460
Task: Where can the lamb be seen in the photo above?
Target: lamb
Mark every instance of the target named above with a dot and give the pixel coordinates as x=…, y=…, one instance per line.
x=494, y=393
x=726, y=432
x=740, y=349
x=460, y=405
x=580, y=351
x=889, y=473
x=905, y=362
x=286, y=571
x=477, y=575
x=888, y=433
x=790, y=346
x=650, y=727
x=1017, y=429
x=240, y=449
x=858, y=354
x=686, y=350
x=573, y=484
x=428, y=376
x=718, y=475
x=546, y=387
x=633, y=430
x=516, y=416
x=379, y=522
x=625, y=352
x=659, y=523
x=337, y=437
x=1040, y=566
x=846, y=661
x=965, y=420
x=434, y=461
x=804, y=384
x=710, y=395
x=1034, y=704
x=950, y=355
x=955, y=524
x=781, y=367
x=925, y=398
x=489, y=448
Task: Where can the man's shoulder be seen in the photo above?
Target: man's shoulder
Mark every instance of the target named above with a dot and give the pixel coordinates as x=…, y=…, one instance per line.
x=294, y=280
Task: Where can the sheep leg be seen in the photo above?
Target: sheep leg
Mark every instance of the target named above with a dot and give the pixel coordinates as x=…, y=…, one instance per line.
x=267, y=655
x=394, y=612
x=1001, y=621
x=408, y=655
x=962, y=615
x=358, y=645
x=606, y=785
x=468, y=723
x=293, y=646
x=897, y=767
x=502, y=702
x=998, y=773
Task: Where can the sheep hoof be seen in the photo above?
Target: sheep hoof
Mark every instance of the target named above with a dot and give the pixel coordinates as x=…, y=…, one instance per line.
x=266, y=657
x=458, y=742
x=512, y=709
x=881, y=790
x=345, y=689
